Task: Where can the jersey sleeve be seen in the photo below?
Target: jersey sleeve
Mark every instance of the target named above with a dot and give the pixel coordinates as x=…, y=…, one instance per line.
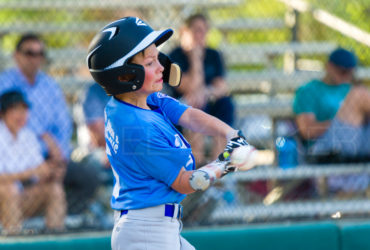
x=160, y=161
x=303, y=101
x=172, y=108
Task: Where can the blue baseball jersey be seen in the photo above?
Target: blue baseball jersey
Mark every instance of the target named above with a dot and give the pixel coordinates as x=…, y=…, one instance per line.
x=146, y=151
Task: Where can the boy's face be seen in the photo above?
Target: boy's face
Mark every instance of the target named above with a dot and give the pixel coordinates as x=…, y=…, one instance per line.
x=16, y=117
x=153, y=81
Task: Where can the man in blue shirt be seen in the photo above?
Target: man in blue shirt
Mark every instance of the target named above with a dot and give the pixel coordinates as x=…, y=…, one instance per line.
x=49, y=112
x=49, y=116
x=93, y=105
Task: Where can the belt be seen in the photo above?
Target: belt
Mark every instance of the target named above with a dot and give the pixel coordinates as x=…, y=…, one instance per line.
x=168, y=210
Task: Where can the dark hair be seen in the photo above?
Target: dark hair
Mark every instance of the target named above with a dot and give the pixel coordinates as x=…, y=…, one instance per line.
x=25, y=38
x=12, y=98
x=189, y=21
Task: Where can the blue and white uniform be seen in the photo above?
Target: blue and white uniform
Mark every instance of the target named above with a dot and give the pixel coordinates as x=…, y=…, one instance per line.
x=146, y=153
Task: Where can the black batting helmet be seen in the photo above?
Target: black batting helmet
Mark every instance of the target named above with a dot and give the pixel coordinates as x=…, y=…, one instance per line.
x=114, y=45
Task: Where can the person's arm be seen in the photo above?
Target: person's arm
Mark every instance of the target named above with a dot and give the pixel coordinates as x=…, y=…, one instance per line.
x=201, y=122
x=305, y=107
x=218, y=88
x=42, y=171
x=309, y=127
x=61, y=129
x=93, y=105
x=54, y=150
x=364, y=96
x=96, y=130
x=200, y=179
x=193, y=87
x=56, y=160
x=182, y=183
x=192, y=79
x=188, y=182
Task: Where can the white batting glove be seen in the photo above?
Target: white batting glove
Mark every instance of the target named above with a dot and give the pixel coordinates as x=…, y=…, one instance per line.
x=237, y=159
x=233, y=143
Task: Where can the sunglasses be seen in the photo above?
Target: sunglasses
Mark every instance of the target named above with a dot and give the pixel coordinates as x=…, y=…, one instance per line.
x=30, y=53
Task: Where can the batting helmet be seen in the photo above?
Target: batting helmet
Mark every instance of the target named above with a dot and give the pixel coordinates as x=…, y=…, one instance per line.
x=111, y=49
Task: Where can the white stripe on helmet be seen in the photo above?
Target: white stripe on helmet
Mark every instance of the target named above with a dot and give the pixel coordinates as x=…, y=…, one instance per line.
x=149, y=39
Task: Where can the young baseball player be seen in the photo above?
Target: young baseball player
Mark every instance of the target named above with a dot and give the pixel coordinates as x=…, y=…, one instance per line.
x=152, y=163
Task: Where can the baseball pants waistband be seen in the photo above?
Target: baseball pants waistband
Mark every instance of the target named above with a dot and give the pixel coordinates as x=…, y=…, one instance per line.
x=167, y=210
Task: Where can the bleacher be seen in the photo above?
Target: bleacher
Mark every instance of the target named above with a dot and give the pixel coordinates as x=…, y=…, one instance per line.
x=267, y=91
x=324, y=206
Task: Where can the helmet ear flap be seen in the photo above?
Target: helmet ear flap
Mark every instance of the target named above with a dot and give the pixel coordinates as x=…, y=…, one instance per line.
x=171, y=72
x=115, y=86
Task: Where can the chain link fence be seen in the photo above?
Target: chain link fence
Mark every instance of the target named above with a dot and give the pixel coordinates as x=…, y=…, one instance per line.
x=270, y=48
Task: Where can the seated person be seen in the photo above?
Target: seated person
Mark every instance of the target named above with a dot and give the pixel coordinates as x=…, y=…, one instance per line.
x=28, y=184
x=202, y=85
x=49, y=119
x=93, y=105
x=332, y=113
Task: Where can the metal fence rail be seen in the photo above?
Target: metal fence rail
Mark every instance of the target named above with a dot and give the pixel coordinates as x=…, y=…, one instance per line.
x=302, y=171
x=291, y=210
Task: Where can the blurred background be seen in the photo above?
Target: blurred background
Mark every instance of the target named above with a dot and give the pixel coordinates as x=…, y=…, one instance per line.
x=270, y=47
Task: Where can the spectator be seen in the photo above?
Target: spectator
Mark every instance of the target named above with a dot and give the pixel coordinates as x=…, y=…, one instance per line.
x=202, y=85
x=93, y=104
x=332, y=113
x=28, y=184
x=49, y=116
x=93, y=150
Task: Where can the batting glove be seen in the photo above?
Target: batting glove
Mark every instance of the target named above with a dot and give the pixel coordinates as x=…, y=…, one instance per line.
x=230, y=146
